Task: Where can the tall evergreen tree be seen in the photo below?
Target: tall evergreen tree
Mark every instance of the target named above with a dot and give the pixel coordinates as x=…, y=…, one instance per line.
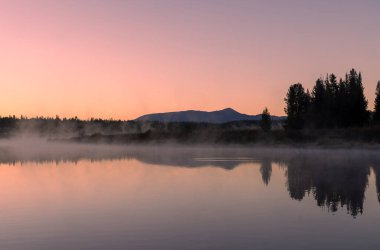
x=318, y=104
x=343, y=111
x=297, y=102
x=324, y=102
x=333, y=85
x=333, y=109
x=356, y=101
x=266, y=122
x=376, y=114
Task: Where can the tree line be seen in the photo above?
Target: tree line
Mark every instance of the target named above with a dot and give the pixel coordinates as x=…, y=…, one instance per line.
x=331, y=104
x=56, y=126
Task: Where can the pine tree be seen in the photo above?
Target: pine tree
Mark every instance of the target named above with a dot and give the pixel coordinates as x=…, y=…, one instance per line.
x=356, y=101
x=333, y=101
x=376, y=114
x=297, y=102
x=318, y=103
x=341, y=99
x=266, y=122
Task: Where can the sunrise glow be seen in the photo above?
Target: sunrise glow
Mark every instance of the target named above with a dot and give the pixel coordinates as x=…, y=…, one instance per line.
x=123, y=59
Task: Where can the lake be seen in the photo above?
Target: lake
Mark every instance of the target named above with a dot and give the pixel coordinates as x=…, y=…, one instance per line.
x=69, y=196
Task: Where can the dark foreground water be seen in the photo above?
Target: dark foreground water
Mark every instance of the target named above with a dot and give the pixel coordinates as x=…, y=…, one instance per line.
x=189, y=198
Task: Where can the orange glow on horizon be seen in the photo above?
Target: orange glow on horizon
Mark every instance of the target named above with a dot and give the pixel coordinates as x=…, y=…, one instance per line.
x=121, y=60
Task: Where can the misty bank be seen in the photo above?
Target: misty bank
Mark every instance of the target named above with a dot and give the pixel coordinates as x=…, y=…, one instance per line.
x=367, y=137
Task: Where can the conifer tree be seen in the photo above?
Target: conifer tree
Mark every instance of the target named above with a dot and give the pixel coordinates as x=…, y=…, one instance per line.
x=318, y=103
x=376, y=114
x=297, y=102
x=356, y=101
x=266, y=122
x=333, y=101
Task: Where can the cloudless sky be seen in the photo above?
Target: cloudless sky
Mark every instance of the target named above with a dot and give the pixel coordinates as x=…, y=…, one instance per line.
x=122, y=59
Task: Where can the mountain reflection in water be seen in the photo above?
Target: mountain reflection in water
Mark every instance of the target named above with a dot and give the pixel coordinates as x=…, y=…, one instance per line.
x=334, y=178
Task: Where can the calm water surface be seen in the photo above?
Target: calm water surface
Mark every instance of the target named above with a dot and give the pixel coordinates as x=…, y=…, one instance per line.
x=203, y=198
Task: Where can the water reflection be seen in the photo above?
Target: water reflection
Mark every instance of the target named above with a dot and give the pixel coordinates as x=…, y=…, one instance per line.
x=333, y=178
x=266, y=170
x=376, y=170
x=332, y=183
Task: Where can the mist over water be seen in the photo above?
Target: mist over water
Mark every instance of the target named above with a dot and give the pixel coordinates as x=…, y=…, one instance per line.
x=59, y=195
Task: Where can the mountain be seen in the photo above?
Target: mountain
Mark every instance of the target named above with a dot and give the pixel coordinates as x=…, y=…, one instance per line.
x=220, y=116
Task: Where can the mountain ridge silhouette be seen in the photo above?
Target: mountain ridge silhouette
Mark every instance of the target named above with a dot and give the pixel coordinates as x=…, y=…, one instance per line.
x=218, y=116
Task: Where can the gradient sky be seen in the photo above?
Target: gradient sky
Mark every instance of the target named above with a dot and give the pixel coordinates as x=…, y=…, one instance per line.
x=122, y=59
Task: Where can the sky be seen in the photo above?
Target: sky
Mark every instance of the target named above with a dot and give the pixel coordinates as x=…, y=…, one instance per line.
x=122, y=59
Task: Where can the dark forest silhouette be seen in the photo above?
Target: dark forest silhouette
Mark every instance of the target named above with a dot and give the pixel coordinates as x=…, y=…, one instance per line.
x=331, y=104
x=335, y=112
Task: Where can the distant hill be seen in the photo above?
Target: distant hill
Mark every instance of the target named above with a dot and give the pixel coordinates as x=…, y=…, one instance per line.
x=220, y=116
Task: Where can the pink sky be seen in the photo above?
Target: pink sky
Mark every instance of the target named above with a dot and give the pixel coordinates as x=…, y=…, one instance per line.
x=123, y=59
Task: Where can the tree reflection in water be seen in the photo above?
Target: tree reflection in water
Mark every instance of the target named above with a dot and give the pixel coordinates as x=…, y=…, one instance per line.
x=334, y=178
x=266, y=171
x=332, y=183
x=376, y=169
